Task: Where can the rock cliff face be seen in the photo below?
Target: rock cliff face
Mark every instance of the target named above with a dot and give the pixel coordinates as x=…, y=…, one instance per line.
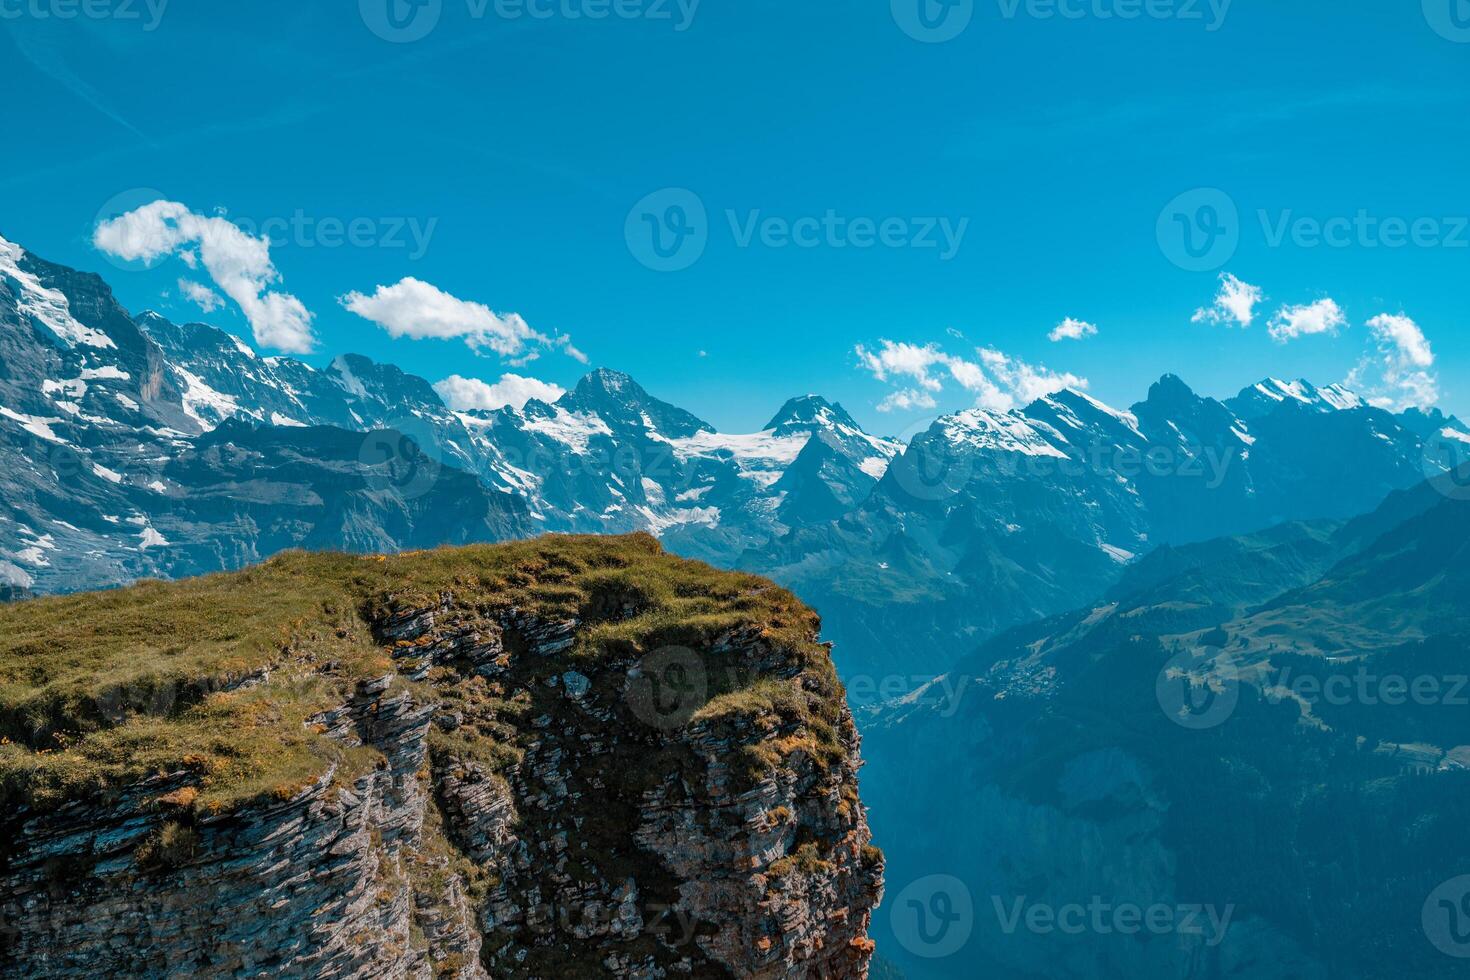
x=571, y=758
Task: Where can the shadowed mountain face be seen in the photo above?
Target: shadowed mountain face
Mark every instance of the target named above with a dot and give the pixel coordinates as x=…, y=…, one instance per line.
x=1248, y=723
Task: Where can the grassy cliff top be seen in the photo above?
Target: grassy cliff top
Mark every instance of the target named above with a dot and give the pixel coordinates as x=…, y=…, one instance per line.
x=219, y=676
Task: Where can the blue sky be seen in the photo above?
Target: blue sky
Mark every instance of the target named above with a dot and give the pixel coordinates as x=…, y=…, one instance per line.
x=502, y=161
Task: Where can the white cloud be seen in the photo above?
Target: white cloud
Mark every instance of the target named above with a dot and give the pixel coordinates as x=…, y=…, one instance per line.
x=907, y=400
x=1406, y=362
x=570, y=350
x=904, y=360
x=1022, y=383
x=202, y=296
x=1235, y=303
x=239, y=264
x=1404, y=338
x=1070, y=329
x=419, y=310
x=464, y=394
x=1290, y=322
x=998, y=381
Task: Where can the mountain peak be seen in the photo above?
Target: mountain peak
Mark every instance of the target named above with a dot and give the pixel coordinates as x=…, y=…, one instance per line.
x=1266, y=396
x=806, y=413
x=1172, y=390
x=622, y=402
x=606, y=381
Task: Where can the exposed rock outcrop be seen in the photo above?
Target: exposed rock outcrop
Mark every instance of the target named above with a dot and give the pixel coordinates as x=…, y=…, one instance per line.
x=503, y=803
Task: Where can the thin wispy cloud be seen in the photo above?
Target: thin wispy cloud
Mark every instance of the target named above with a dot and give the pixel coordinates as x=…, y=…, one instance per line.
x=1404, y=364
x=996, y=380
x=199, y=294
x=37, y=49
x=1072, y=329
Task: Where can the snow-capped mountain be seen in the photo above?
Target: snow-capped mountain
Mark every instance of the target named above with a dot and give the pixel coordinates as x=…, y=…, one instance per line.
x=137, y=446
x=609, y=457
x=1263, y=398
x=1035, y=507
x=145, y=447
x=126, y=457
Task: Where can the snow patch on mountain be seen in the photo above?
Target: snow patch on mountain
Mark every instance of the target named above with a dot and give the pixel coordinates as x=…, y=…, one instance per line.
x=49, y=306
x=573, y=429
x=202, y=403
x=36, y=426
x=981, y=429
x=1455, y=434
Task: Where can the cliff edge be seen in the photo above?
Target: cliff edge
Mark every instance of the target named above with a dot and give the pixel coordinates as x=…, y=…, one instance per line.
x=569, y=757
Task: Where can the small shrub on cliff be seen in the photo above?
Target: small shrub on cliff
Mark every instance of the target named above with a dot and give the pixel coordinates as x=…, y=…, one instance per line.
x=170, y=846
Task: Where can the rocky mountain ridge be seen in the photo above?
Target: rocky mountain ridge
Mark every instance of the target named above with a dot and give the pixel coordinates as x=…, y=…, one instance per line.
x=124, y=466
